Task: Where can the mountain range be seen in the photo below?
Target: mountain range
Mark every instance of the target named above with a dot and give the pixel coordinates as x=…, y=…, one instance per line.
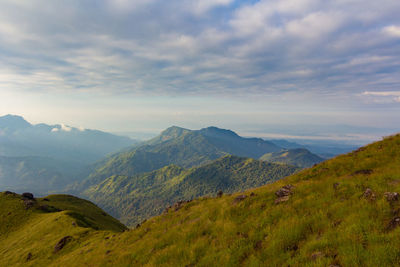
x=181, y=164
x=341, y=212
x=49, y=156
x=182, y=147
x=142, y=179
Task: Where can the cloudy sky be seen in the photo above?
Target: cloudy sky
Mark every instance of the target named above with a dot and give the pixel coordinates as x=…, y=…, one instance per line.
x=253, y=66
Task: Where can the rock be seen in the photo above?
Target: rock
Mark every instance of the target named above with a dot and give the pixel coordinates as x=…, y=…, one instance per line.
x=284, y=193
x=316, y=255
x=365, y=172
x=178, y=205
x=220, y=193
x=29, y=256
x=9, y=193
x=239, y=199
x=167, y=209
x=27, y=196
x=46, y=199
x=282, y=199
x=29, y=203
x=391, y=196
x=393, y=223
x=252, y=194
x=369, y=194
x=63, y=241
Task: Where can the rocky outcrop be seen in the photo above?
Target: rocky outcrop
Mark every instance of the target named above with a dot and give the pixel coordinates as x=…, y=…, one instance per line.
x=239, y=199
x=61, y=244
x=284, y=193
x=391, y=196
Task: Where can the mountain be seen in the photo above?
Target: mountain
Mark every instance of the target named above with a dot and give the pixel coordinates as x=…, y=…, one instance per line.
x=299, y=157
x=18, y=138
x=323, y=148
x=182, y=147
x=342, y=212
x=38, y=173
x=134, y=199
x=49, y=156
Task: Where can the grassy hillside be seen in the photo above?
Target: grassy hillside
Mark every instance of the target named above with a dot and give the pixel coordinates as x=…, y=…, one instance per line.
x=337, y=213
x=299, y=157
x=181, y=147
x=134, y=199
x=35, y=226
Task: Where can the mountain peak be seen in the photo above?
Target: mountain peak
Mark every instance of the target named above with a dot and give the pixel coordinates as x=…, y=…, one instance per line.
x=215, y=131
x=169, y=133
x=13, y=122
x=174, y=131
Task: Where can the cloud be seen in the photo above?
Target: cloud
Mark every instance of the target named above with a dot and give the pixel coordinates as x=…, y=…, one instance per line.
x=384, y=96
x=65, y=128
x=392, y=93
x=62, y=127
x=210, y=47
x=199, y=7
x=393, y=31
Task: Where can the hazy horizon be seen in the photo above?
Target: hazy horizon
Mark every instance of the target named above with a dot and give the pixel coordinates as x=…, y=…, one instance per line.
x=304, y=68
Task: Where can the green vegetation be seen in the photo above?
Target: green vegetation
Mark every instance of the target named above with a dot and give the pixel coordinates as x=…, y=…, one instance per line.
x=299, y=157
x=337, y=214
x=181, y=147
x=36, y=229
x=134, y=199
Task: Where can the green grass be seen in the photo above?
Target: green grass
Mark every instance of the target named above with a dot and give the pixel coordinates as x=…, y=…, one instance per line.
x=134, y=199
x=298, y=157
x=321, y=224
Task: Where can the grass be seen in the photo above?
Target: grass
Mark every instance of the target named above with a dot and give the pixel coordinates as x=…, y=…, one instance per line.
x=327, y=220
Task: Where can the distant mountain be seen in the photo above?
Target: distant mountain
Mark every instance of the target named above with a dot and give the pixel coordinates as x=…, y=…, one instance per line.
x=299, y=157
x=323, y=148
x=132, y=199
x=49, y=156
x=19, y=138
x=40, y=175
x=182, y=147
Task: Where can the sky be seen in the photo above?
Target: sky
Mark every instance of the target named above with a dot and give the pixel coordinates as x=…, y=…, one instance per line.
x=262, y=68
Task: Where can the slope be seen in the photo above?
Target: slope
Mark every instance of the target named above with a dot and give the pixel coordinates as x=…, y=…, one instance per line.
x=182, y=147
x=27, y=226
x=299, y=157
x=343, y=212
x=134, y=199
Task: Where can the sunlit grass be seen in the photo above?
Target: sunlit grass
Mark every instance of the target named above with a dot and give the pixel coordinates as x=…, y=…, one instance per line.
x=326, y=221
